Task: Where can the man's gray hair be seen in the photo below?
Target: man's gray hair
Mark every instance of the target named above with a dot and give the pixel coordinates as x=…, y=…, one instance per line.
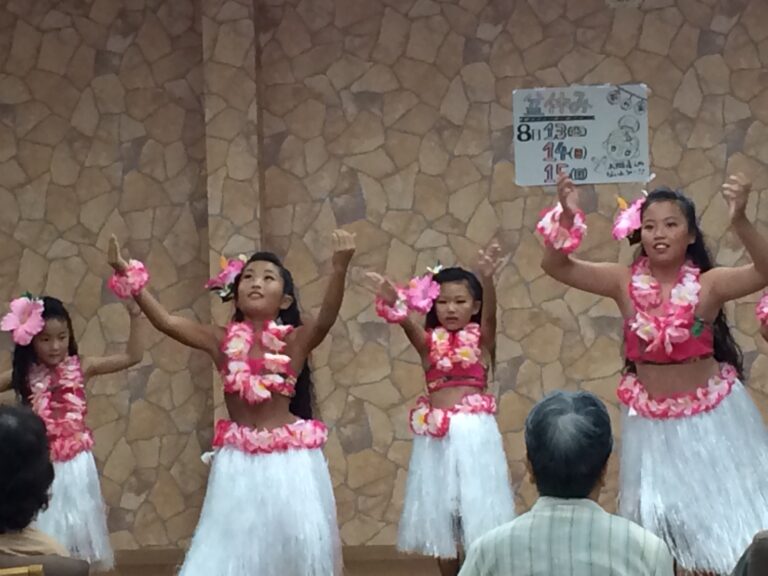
x=568, y=439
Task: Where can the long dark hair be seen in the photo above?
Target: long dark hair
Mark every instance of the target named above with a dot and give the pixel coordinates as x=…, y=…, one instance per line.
x=24, y=356
x=302, y=403
x=726, y=348
x=456, y=274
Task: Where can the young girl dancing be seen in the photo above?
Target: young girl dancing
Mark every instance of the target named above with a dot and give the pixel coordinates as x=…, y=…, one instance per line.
x=694, y=458
x=269, y=508
x=458, y=483
x=50, y=376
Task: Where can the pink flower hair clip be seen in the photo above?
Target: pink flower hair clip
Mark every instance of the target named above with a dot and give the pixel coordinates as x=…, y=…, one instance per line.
x=224, y=283
x=25, y=320
x=422, y=291
x=629, y=219
x=761, y=310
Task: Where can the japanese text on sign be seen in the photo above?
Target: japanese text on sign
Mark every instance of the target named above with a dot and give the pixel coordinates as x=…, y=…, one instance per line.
x=596, y=134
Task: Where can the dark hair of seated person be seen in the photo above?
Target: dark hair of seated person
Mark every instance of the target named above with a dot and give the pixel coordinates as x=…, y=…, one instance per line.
x=25, y=485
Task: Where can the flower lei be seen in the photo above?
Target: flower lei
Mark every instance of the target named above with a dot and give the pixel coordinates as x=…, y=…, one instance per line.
x=238, y=376
x=425, y=420
x=25, y=320
x=130, y=281
x=418, y=296
x=676, y=322
x=557, y=236
x=58, y=397
x=632, y=394
x=762, y=309
x=224, y=283
x=462, y=347
x=303, y=434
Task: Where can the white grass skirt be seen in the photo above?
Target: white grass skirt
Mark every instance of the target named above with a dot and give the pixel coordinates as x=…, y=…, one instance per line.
x=701, y=482
x=76, y=513
x=266, y=515
x=458, y=488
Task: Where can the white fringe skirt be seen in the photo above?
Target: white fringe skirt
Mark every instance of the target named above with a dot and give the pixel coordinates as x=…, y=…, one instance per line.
x=266, y=514
x=458, y=488
x=699, y=482
x=76, y=515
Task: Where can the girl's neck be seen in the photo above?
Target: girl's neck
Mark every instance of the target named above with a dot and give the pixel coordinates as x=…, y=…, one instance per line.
x=666, y=273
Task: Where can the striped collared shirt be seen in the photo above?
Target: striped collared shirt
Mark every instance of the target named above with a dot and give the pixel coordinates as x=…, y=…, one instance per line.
x=568, y=538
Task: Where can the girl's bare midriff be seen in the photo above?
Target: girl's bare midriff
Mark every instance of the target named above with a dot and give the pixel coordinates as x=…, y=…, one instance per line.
x=670, y=379
x=267, y=415
x=450, y=397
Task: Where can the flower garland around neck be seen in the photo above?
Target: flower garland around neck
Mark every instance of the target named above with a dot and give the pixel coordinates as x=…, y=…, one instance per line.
x=58, y=397
x=240, y=379
x=462, y=347
x=677, y=321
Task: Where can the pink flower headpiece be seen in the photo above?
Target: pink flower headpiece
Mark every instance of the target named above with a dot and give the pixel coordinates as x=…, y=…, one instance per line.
x=224, y=283
x=628, y=220
x=25, y=320
x=422, y=291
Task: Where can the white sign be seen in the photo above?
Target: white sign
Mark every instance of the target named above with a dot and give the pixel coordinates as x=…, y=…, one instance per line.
x=596, y=134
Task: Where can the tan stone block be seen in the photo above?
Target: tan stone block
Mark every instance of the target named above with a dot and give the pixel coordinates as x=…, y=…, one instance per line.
x=306, y=121
x=513, y=409
x=378, y=79
x=121, y=463
x=688, y=97
x=324, y=180
x=376, y=164
x=147, y=421
x=462, y=203
x=740, y=52
x=166, y=124
x=578, y=62
x=315, y=154
x=148, y=527
x=12, y=90
x=346, y=70
x=430, y=196
x=479, y=82
x=426, y=37
x=56, y=49
x=399, y=188
x=709, y=128
x=714, y=74
x=610, y=71
x=188, y=470
x=475, y=135
x=317, y=60
x=316, y=14
x=24, y=48
x=756, y=142
x=86, y=117
x=381, y=394
x=152, y=39
x=366, y=467
x=405, y=225
x=752, y=18
x=666, y=150
x=419, y=120
x=365, y=134
x=396, y=104
x=483, y=225
x=109, y=94
x=422, y=79
x=181, y=527
x=659, y=29
x=424, y=8
x=292, y=34
x=735, y=110
x=601, y=360
x=393, y=37
x=403, y=148
x=166, y=496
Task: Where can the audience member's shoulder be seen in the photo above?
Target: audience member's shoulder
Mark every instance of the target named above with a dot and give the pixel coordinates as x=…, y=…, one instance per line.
x=642, y=536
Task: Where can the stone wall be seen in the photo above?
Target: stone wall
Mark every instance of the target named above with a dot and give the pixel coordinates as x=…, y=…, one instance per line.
x=102, y=131
x=165, y=122
x=392, y=118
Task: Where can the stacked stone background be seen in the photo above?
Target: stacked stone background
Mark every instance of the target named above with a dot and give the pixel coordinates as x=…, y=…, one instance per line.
x=190, y=131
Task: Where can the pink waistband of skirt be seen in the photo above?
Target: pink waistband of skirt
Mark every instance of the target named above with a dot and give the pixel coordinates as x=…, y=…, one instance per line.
x=633, y=394
x=67, y=446
x=302, y=434
x=425, y=420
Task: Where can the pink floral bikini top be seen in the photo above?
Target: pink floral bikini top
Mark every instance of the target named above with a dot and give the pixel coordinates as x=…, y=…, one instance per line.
x=255, y=379
x=455, y=358
x=673, y=334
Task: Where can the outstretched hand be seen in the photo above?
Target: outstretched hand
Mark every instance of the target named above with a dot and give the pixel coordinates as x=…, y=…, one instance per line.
x=736, y=191
x=114, y=258
x=382, y=287
x=343, y=249
x=567, y=194
x=490, y=260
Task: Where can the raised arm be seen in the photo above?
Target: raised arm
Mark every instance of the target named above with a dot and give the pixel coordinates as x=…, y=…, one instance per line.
x=489, y=261
x=415, y=333
x=134, y=351
x=315, y=330
x=190, y=333
x=603, y=278
x=730, y=283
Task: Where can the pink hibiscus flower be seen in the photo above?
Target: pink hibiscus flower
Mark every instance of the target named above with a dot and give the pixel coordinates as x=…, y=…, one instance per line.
x=25, y=320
